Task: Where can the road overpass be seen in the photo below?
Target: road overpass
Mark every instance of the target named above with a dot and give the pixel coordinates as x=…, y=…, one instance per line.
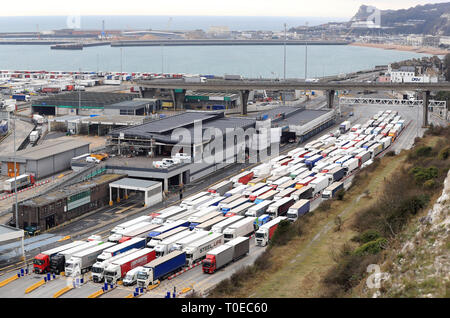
x=245, y=86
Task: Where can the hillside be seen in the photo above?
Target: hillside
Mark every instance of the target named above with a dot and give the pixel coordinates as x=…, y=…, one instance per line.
x=422, y=19
x=387, y=222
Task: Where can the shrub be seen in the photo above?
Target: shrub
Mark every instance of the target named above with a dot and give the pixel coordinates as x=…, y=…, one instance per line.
x=444, y=153
x=367, y=236
x=340, y=195
x=283, y=234
x=429, y=184
x=372, y=247
x=423, y=174
x=423, y=151
x=390, y=153
x=324, y=206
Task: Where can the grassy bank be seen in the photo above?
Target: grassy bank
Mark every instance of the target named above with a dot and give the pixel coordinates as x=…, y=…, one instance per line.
x=326, y=252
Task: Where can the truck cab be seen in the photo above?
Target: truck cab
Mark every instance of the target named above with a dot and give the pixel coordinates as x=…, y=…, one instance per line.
x=145, y=276
x=41, y=263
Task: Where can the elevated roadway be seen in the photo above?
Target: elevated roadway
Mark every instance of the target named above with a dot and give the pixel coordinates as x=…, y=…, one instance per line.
x=245, y=86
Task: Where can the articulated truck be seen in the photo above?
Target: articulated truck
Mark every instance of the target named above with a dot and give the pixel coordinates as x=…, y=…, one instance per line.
x=266, y=231
x=244, y=227
x=82, y=262
x=297, y=209
x=98, y=269
x=197, y=250
x=225, y=254
x=119, y=234
x=158, y=238
x=119, y=268
x=136, y=242
x=280, y=207
x=58, y=262
x=164, y=247
x=161, y=268
x=41, y=262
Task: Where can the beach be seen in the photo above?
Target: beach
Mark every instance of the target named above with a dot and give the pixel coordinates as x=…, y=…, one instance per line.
x=416, y=49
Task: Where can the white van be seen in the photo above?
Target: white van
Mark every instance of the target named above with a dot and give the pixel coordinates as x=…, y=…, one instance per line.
x=131, y=277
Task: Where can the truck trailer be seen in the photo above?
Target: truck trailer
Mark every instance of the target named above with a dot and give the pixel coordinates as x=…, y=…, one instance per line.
x=117, y=269
x=266, y=231
x=41, y=262
x=161, y=268
x=82, y=262
x=225, y=254
x=280, y=208
x=299, y=208
x=244, y=227
x=98, y=269
x=57, y=263
x=197, y=250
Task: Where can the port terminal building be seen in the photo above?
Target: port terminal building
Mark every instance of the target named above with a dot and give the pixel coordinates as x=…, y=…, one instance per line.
x=44, y=160
x=134, y=150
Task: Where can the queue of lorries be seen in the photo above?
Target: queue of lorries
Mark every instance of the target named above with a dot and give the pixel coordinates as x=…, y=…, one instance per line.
x=214, y=226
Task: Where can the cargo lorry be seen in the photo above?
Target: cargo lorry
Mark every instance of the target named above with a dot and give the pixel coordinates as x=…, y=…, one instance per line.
x=204, y=218
x=207, y=226
x=223, y=255
x=337, y=173
x=98, y=269
x=244, y=227
x=320, y=183
x=115, y=237
x=221, y=188
x=262, y=219
x=165, y=246
x=138, y=232
x=136, y=242
x=242, y=178
x=197, y=250
x=161, y=268
x=168, y=227
x=330, y=191
x=266, y=231
x=57, y=263
x=41, y=262
x=129, y=223
x=157, y=239
x=299, y=208
x=259, y=209
x=82, y=262
x=117, y=269
x=181, y=244
x=351, y=165
x=280, y=208
x=221, y=226
x=163, y=217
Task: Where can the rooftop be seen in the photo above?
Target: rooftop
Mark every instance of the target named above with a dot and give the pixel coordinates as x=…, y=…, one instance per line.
x=86, y=99
x=71, y=190
x=134, y=183
x=129, y=104
x=48, y=148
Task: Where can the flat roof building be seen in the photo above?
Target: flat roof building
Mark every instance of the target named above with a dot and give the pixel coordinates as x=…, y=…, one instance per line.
x=61, y=205
x=47, y=159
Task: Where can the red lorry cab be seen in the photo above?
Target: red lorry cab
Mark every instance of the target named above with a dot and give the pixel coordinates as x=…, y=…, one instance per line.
x=124, y=239
x=41, y=263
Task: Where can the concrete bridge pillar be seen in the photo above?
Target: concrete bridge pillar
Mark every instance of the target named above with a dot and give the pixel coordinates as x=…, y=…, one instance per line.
x=426, y=102
x=244, y=100
x=147, y=92
x=330, y=98
x=178, y=98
